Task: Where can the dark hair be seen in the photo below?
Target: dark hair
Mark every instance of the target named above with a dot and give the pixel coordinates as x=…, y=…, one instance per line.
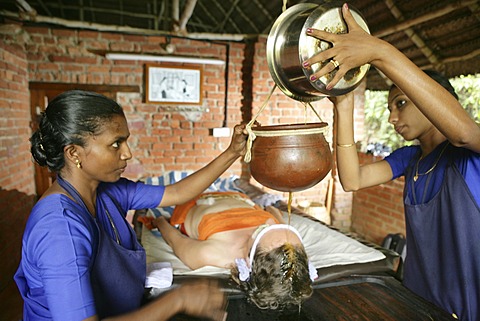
x=279, y=279
x=68, y=119
x=441, y=79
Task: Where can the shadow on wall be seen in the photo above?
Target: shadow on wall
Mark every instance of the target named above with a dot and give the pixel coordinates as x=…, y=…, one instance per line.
x=15, y=208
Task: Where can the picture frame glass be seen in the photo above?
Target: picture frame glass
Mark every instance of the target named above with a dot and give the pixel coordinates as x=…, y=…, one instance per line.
x=166, y=84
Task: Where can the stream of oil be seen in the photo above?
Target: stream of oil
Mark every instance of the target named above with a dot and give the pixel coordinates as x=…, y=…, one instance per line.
x=289, y=206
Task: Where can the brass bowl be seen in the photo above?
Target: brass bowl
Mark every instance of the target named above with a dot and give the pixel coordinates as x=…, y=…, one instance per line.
x=288, y=46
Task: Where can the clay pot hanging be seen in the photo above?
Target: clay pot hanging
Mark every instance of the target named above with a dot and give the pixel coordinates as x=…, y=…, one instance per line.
x=290, y=158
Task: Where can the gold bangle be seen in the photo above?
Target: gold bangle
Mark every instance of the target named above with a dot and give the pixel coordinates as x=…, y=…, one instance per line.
x=345, y=145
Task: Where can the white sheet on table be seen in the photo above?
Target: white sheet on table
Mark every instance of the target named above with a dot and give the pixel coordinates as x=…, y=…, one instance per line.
x=325, y=247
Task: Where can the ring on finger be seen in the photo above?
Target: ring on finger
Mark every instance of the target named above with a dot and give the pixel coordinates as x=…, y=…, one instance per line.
x=334, y=63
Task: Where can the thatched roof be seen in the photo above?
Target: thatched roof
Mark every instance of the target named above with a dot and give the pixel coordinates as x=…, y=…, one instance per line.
x=435, y=34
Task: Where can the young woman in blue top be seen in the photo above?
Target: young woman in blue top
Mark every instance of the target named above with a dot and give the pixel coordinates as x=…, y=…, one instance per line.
x=80, y=257
x=442, y=193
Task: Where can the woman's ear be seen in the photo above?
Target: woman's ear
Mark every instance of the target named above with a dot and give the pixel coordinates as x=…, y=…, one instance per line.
x=71, y=154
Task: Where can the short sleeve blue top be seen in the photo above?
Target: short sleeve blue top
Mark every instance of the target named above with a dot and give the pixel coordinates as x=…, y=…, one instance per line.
x=405, y=159
x=57, y=246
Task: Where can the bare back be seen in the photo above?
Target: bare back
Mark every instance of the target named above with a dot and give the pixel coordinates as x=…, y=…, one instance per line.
x=196, y=214
x=229, y=244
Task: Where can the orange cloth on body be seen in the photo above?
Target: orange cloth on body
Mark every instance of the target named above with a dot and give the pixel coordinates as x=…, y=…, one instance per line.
x=231, y=219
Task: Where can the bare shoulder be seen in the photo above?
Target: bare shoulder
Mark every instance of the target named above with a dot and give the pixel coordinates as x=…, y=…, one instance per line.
x=224, y=247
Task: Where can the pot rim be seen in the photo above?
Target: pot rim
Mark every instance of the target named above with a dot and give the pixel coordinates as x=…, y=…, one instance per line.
x=320, y=127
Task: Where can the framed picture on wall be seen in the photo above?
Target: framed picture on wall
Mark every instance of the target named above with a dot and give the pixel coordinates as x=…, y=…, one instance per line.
x=173, y=84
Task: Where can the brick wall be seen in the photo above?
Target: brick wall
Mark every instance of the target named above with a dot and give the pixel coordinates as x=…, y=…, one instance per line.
x=168, y=137
x=16, y=175
x=164, y=137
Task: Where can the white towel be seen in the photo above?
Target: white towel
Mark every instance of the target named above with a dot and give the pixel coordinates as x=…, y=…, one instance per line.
x=159, y=275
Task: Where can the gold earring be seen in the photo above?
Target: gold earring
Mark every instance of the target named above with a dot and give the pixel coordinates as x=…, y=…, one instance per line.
x=77, y=162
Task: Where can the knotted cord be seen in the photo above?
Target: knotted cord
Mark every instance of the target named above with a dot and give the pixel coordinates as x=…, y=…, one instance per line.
x=252, y=135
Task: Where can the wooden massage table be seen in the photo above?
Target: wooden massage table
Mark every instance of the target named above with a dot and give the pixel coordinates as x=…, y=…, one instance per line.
x=357, y=280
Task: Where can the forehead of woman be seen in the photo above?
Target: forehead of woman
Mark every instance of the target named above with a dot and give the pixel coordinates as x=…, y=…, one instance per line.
x=116, y=126
x=394, y=90
x=393, y=93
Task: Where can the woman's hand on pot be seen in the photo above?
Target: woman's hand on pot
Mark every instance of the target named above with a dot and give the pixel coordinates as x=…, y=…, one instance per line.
x=239, y=140
x=353, y=49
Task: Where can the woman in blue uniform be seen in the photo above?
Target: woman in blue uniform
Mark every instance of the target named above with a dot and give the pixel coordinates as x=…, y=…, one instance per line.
x=80, y=257
x=442, y=193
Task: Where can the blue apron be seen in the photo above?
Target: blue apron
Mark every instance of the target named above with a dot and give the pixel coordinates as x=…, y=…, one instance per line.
x=118, y=273
x=443, y=248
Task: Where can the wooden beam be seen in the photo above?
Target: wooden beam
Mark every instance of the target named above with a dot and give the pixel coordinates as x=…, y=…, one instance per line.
x=470, y=55
x=119, y=12
x=175, y=13
x=186, y=14
x=234, y=25
x=25, y=7
x=127, y=30
x=244, y=16
x=205, y=13
x=92, y=14
x=160, y=14
x=61, y=6
x=474, y=8
x=414, y=37
x=265, y=12
x=406, y=24
x=81, y=12
x=44, y=7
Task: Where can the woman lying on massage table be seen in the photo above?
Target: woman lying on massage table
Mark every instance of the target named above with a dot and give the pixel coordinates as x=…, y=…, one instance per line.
x=226, y=229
